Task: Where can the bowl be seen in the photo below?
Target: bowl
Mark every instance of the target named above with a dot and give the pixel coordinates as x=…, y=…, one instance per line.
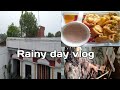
x=75, y=34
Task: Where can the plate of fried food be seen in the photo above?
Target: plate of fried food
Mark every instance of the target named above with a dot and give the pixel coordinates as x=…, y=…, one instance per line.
x=104, y=27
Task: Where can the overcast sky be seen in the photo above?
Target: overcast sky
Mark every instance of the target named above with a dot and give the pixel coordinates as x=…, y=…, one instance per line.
x=50, y=19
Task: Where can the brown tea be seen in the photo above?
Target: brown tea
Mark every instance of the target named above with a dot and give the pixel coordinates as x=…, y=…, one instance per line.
x=75, y=33
x=70, y=17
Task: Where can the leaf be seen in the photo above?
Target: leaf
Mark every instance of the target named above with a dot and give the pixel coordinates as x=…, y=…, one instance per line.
x=13, y=31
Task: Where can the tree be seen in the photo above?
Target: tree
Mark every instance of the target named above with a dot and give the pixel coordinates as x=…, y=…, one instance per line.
x=58, y=34
x=13, y=31
x=50, y=35
x=28, y=24
x=3, y=37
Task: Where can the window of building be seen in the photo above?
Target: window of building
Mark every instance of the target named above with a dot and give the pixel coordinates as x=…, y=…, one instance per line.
x=28, y=71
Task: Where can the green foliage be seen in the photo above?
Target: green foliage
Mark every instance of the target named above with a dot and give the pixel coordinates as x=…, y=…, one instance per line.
x=50, y=35
x=3, y=37
x=13, y=31
x=58, y=34
x=28, y=24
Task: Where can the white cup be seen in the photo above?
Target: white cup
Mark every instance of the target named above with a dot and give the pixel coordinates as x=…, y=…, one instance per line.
x=75, y=34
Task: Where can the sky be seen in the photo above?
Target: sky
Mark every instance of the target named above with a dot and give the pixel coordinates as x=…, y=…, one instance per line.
x=51, y=20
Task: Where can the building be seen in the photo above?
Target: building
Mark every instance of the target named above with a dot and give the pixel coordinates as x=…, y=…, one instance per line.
x=34, y=68
x=3, y=62
x=3, y=58
x=13, y=67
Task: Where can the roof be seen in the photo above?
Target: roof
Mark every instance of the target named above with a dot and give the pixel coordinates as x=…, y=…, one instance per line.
x=42, y=39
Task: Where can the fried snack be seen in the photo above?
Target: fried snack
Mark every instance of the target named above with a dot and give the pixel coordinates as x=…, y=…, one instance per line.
x=117, y=37
x=117, y=18
x=109, y=29
x=96, y=30
x=105, y=33
x=104, y=28
x=113, y=22
x=91, y=19
x=107, y=16
x=102, y=21
x=101, y=39
x=111, y=37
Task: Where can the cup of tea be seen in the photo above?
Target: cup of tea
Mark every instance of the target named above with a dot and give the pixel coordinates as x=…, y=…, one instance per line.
x=75, y=34
x=70, y=16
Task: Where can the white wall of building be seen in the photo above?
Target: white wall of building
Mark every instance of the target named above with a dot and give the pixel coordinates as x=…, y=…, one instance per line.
x=3, y=62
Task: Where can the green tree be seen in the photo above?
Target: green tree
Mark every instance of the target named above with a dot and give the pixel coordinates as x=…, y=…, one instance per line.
x=50, y=35
x=58, y=34
x=3, y=37
x=13, y=31
x=28, y=24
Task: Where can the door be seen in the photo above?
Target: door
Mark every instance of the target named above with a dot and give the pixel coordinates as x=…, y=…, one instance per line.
x=58, y=75
x=43, y=72
x=16, y=67
x=28, y=71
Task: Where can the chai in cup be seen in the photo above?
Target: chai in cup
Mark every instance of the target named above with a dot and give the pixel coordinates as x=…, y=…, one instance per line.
x=75, y=34
x=70, y=16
